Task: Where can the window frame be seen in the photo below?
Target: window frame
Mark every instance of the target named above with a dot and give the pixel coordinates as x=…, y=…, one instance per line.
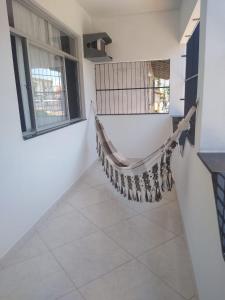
x=28, y=41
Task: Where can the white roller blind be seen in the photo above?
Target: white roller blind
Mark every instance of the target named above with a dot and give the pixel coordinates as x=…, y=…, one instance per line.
x=29, y=23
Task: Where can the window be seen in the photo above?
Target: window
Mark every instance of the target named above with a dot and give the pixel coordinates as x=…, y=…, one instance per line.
x=140, y=87
x=47, y=71
x=191, y=80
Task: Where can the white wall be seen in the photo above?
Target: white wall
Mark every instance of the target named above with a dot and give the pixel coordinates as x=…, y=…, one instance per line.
x=149, y=36
x=36, y=172
x=138, y=135
x=195, y=194
x=212, y=105
x=193, y=181
x=189, y=10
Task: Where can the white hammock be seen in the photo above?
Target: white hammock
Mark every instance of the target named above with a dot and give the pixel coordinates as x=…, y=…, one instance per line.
x=146, y=179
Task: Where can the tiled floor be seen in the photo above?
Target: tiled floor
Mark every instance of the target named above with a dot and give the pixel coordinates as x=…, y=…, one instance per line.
x=96, y=245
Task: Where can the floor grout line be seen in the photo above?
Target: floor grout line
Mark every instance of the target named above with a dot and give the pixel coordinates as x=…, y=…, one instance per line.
x=106, y=273
x=68, y=293
x=58, y=262
x=168, y=230
x=161, y=279
x=101, y=229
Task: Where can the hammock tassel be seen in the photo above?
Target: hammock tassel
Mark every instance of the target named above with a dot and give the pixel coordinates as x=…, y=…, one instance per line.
x=129, y=195
x=103, y=158
x=137, y=181
x=107, y=168
x=116, y=181
x=134, y=197
x=138, y=196
x=122, y=186
x=130, y=188
x=147, y=186
x=121, y=190
x=158, y=195
x=111, y=175
x=170, y=180
x=146, y=196
x=162, y=173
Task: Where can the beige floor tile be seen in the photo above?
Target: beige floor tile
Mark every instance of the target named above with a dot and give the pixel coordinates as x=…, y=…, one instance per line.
x=107, y=213
x=107, y=190
x=29, y=247
x=62, y=208
x=80, y=185
x=88, y=258
x=171, y=262
x=98, y=262
x=166, y=216
x=138, y=235
x=95, y=176
x=131, y=281
x=64, y=229
x=86, y=198
x=167, y=198
x=40, y=278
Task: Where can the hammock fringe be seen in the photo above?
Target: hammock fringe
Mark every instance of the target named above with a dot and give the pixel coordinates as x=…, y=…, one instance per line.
x=147, y=179
x=145, y=187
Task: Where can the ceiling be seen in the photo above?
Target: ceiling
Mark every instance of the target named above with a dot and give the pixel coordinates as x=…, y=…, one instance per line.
x=107, y=8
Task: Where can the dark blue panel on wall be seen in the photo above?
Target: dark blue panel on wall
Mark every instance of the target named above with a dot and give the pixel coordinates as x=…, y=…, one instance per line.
x=191, y=81
x=195, y=42
x=191, y=94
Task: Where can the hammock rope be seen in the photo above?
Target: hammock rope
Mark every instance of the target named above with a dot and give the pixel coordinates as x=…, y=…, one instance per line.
x=144, y=180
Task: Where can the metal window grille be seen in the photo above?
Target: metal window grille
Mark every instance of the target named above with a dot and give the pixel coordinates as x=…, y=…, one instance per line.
x=140, y=87
x=219, y=190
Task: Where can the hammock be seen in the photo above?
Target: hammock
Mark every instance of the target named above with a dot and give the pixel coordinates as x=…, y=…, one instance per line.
x=144, y=180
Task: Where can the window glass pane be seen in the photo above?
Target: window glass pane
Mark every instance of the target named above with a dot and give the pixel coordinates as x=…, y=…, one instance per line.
x=39, y=29
x=61, y=40
x=72, y=76
x=48, y=83
x=54, y=37
x=68, y=44
x=29, y=23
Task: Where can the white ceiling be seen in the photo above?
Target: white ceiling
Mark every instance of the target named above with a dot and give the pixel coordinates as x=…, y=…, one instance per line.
x=108, y=8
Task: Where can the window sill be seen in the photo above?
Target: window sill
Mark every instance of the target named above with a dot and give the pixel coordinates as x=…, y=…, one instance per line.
x=215, y=163
x=134, y=114
x=27, y=136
